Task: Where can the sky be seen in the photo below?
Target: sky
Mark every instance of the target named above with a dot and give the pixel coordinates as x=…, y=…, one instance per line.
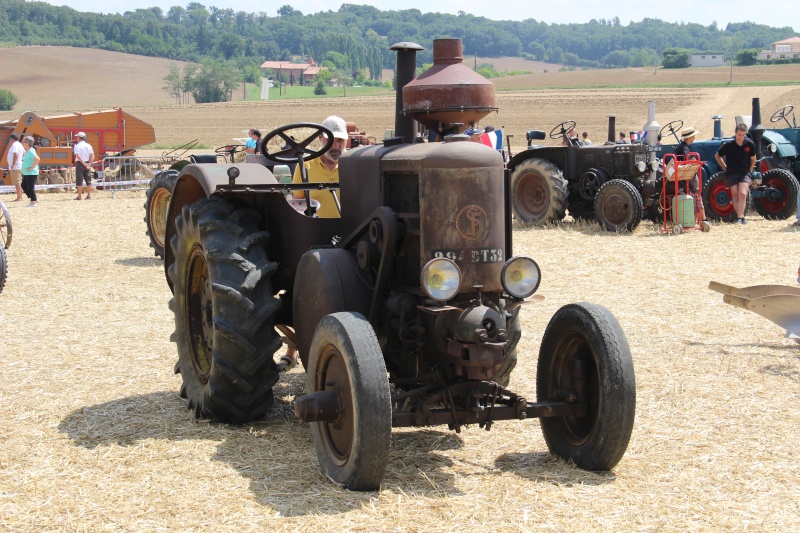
x=776, y=13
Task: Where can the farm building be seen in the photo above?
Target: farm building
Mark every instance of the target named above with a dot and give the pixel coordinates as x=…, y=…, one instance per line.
x=707, y=60
x=785, y=49
x=294, y=71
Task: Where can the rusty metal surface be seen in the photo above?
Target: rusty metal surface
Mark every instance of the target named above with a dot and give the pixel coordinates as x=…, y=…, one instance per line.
x=449, y=92
x=320, y=406
x=475, y=361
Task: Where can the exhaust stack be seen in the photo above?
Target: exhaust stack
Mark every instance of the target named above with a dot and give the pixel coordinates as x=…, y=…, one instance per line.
x=406, y=69
x=612, y=126
x=757, y=129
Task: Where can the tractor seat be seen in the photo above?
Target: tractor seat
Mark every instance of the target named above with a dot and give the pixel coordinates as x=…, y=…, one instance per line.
x=203, y=158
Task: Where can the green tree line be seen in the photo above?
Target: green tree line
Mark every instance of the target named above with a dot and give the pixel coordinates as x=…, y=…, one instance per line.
x=362, y=34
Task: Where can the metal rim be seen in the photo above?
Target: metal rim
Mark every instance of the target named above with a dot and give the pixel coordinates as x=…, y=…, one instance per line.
x=720, y=199
x=779, y=184
x=200, y=324
x=574, y=349
x=616, y=205
x=532, y=195
x=5, y=226
x=332, y=374
x=159, y=205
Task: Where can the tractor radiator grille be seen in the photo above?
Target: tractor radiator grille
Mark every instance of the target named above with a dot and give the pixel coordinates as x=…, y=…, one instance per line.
x=403, y=199
x=622, y=163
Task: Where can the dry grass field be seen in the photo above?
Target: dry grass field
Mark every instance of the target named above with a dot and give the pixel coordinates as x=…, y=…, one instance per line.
x=96, y=438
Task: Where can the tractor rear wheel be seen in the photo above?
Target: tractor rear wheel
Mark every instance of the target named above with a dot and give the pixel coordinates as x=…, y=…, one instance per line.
x=345, y=357
x=717, y=199
x=156, y=207
x=618, y=206
x=585, y=354
x=5, y=226
x=539, y=192
x=3, y=268
x=786, y=183
x=224, y=311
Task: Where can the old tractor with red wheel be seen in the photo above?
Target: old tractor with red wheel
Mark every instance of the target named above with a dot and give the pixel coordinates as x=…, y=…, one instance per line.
x=405, y=310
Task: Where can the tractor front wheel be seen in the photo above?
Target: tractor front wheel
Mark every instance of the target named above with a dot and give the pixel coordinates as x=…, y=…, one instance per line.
x=3, y=268
x=156, y=207
x=539, y=192
x=618, y=206
x=585, y=357
x=345, y=357
x=5, y=226
x=224, y=311
x=783, y=181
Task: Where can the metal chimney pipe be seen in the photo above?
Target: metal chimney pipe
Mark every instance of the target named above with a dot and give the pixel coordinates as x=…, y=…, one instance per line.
x=717, y=126
x=652, y=127
x=612, y=120
x=757, y=129
x=406, y=71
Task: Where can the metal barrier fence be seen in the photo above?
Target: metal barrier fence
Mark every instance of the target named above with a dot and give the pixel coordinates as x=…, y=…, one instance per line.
x=130, y=173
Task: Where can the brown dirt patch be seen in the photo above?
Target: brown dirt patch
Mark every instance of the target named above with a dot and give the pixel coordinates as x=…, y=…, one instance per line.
x=95, y=436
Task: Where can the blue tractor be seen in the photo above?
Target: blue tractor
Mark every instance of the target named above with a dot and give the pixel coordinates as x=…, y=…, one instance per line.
x=773, y=193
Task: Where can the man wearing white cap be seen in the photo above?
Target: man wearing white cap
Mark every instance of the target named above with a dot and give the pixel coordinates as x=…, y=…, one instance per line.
x=84, y=157
x=325, y=168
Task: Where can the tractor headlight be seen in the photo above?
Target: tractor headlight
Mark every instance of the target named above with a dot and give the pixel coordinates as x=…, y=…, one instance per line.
x=520, y=276
x=640, y=166
x=440, y=279
x=654, y=164
x=772, y=148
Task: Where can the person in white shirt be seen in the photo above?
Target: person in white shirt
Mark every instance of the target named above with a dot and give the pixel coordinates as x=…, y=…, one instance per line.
x=84, y=157
x=15, y=153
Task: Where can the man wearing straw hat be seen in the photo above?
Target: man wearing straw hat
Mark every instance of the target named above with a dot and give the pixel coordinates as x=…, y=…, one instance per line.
x=682, y=152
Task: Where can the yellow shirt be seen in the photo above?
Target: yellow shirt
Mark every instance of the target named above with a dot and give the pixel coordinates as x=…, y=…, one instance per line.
x=319, y=173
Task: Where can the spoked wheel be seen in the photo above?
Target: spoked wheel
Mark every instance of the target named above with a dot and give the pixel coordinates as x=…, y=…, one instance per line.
x=672, y=128
x=585, y=354
x=224, y=311
x=3, y=268
x=230, y=151
x=618, y=206
x=156, y=206
x=717, y=199
x=345, y=357
x=539, y=192
x=5, y=226
x=781, y=208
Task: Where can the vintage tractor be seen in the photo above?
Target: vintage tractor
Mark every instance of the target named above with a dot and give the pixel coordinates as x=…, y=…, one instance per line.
x=612, y=183
x=774, y=190
x=406, y=310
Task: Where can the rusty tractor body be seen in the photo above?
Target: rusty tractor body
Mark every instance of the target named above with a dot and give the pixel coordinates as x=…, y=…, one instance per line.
x=405, y=310
x=613, y=183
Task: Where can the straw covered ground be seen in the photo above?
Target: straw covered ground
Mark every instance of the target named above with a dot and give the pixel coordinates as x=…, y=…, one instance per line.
x=96, y=437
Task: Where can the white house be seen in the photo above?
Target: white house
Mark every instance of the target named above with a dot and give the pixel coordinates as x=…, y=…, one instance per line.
x=707, y=60
x=785, y=49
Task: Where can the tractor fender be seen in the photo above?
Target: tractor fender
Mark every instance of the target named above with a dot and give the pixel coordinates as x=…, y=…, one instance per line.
x=326, y=282
x=200, y=181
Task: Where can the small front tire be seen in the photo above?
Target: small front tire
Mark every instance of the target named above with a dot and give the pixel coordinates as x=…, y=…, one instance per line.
x=345, y=356
x=584, y=343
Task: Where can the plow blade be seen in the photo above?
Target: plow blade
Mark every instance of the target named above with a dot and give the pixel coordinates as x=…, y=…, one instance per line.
x=778, y=303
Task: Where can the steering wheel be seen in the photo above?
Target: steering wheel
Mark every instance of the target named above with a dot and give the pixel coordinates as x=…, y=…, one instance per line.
x=561, y=130
x=231, y=149
x=781, y=114
x=294, y=151
x=673, y=127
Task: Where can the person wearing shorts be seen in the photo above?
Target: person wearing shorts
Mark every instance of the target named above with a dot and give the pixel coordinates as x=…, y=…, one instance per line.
x=84, y=156
x=740, y=159
x=14, y=159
